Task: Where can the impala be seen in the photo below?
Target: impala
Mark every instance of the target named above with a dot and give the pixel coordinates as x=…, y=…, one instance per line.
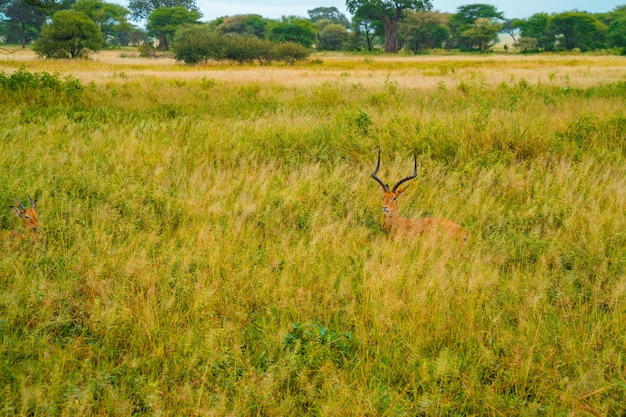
x=396, y=225
x=28, y=216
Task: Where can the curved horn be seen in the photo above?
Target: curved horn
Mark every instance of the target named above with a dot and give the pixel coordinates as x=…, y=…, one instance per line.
x=410, y=177
x=381, y=182
x=32, y=202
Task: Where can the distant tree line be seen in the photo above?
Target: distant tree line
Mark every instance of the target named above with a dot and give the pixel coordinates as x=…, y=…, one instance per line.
x=73, y=28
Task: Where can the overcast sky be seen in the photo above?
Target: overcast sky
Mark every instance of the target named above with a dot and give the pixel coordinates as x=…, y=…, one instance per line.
x=273, y=9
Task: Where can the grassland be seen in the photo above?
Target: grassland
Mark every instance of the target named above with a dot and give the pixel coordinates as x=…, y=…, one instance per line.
x=211, y=241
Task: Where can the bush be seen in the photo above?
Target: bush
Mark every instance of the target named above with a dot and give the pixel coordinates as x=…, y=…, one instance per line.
x=289, y=52
x=247, y=49
x=38, y=87
x=70, y=35
x=198, y=43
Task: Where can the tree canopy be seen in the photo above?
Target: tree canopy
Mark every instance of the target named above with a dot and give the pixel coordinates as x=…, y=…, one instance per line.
x=26, y=20
x=245, y=25
x=71, y=34
x=331, y=36
x=110, y=17
x=293, y=29
x=389, y=12
x=329, y=13
x=472, y=23
x=164, y=21
x=578, y=30
x=390, y=25
x=424, y=30
x=141, y=9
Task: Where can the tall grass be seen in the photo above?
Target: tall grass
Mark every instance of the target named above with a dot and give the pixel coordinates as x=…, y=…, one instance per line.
x=214, y=247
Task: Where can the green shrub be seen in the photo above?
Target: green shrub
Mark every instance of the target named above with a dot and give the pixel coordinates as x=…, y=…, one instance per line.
x=70, y=35
x=247, y=49
x=198, y=43
x=37, y=87
x=289, y=52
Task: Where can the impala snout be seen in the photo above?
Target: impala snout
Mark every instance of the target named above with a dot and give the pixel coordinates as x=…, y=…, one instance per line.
x=386, y=211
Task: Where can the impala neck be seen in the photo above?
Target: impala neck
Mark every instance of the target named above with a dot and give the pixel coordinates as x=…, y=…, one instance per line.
x=389, y=221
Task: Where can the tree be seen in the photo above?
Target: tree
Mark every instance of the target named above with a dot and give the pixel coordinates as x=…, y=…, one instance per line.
x=365, y=31
x=481, y=34
x=537, y=27
x=389, y=12
x=245, y=25
x=108, y=16
x=198, y=43
x=616, y=33
x=49, y=7
x=510, y=28
x=424, y=30
x=465, y=19
x=164, y=21
x=26, y=19
x=141, y=9
x=578, y=30
x=71, y=34
x=331, y=36
x=329, y=13
x=293, y=29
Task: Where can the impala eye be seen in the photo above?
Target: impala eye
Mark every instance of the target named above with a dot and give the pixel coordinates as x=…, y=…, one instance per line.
x=394, y=198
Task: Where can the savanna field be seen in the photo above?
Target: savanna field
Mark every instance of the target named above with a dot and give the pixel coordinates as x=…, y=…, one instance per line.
x=210, y=238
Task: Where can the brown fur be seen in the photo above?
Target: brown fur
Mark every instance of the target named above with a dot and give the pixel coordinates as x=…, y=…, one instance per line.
x=30, y=222
x=396, y=225
x=402, y=226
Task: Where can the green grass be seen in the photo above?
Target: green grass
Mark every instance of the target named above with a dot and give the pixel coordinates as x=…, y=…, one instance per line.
x=214, y=248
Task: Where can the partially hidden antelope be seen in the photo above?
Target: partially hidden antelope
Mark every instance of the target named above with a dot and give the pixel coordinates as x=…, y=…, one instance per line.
x=30, y=222
x=394, y=224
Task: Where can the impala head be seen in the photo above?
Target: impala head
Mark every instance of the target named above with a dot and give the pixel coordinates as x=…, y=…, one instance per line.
x=27, y=214
x=390, y=197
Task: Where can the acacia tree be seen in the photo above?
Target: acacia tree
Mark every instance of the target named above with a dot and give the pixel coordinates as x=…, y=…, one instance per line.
x=424, y=30
x=578, y=30
x=365, y=31
x=389, y=13
x=141, y=9
x=49, y=7
x=510, y=28
x=109, y=17
x=292, y=29
x=164, y=21
x=71, y=34
x=481, y=34
x=328, y=13
x=537, y=27
x=464, y=26
x=24, y=18
x=244, y=25
x=617, y=28
x=331, y=36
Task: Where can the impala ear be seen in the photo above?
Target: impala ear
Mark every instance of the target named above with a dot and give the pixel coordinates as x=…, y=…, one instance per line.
x=16, y=210
x=402, y=190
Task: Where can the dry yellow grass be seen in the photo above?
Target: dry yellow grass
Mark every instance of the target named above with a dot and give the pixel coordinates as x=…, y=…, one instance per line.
x=211, y=242
x=424, y=72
